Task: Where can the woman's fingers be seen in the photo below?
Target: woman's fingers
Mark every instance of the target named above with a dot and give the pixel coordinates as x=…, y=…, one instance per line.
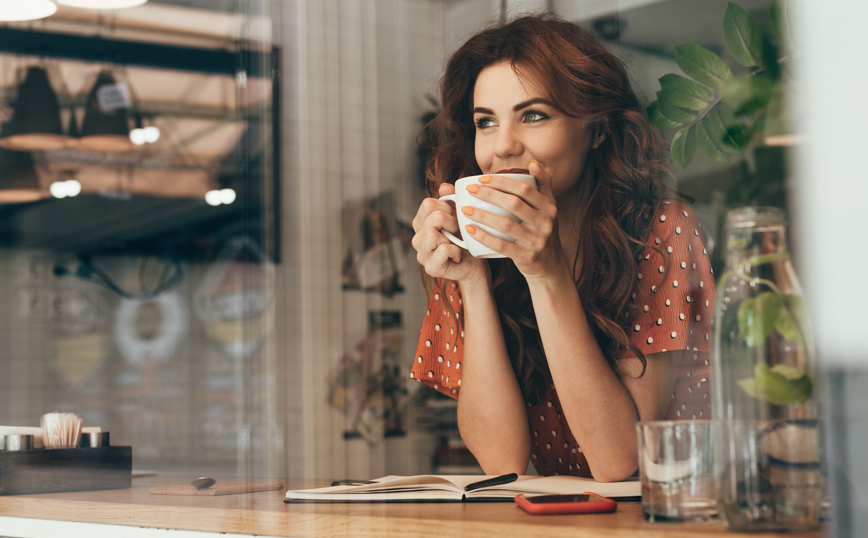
x=543, y=180
x=439, y=259
x=528, y=234
x=517, y=197
x=535, y=234
x=440, y=209
x=507, y=186
x=533, y=215
x=434, y=251
x=446, y=188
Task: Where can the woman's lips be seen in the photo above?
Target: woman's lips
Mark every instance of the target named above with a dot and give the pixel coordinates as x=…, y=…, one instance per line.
x=513, y=171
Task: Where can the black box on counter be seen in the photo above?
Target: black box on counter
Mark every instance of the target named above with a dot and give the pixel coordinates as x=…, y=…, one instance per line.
x=65, y=469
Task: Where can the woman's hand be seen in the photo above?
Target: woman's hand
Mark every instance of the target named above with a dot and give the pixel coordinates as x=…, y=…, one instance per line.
x=537, y=250
x=435, y=252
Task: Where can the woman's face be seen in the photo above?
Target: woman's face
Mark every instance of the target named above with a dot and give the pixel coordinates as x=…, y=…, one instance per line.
x=515, y=124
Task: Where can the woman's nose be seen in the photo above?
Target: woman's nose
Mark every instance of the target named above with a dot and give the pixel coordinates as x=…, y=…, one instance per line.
x=508, y=142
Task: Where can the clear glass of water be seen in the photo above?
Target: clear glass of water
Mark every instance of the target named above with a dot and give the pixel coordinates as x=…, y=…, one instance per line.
x=676, y=468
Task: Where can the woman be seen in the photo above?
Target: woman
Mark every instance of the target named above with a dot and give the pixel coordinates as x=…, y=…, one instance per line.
x=598, y=317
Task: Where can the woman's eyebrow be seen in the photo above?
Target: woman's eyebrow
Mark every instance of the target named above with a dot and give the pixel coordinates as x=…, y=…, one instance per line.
x=529, y=102
x=516, y=108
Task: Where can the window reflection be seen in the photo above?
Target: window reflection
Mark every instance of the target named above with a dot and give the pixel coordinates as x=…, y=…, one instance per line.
x=137, y=245
x=237, y=294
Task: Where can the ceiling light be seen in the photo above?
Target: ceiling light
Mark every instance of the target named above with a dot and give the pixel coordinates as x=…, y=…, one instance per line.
x=152, y=134
x=137, y=137
x=217, y=197
x=35, y=124
x=105, y=126
x=227, y=196
x=26, y=10
x=65, y=189
x=102, y=4
x=144, y=135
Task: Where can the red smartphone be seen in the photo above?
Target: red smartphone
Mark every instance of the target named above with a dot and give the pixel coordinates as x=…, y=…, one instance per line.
x=583, y=503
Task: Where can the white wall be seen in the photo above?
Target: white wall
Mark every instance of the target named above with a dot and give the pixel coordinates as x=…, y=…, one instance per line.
x=833, y=184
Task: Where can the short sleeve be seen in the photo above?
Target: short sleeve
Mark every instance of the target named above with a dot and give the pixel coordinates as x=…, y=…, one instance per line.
x=673, y=298
x=441, y=341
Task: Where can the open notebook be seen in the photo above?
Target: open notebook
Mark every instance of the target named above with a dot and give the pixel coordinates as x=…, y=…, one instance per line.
x=450, y=488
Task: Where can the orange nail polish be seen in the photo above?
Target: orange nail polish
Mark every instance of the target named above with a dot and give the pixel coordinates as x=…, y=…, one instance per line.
x=473, y=189
x=470, y=229
x=485, y=179
x=467, y=210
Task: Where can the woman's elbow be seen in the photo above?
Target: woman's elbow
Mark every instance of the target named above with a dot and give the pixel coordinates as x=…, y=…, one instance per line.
x=606, y=476
x=614, y=471
x=503, y=462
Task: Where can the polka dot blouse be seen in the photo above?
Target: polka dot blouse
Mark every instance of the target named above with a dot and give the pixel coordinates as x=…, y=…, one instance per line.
x=673, y=302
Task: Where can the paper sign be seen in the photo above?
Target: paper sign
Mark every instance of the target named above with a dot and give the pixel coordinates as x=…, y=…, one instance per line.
x=113, y=96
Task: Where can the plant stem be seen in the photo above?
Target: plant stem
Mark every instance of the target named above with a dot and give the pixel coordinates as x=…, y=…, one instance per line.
x=741, y=272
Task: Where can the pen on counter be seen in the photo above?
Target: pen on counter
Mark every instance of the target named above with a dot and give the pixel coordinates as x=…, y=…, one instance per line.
x=496, y=481
x=352, y=482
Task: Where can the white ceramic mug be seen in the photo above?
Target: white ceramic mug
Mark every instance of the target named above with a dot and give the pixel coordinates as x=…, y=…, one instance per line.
x=463, y=198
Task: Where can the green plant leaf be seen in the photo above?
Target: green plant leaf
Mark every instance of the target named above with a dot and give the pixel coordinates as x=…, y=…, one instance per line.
x=702, y=65
x=683, y=92
x=780, y=22
x=743, y=38
x=763, y=259
x=788, y=327
x=758, y=316
x=749, y=386
x=708, y=145
x=740, y=136
x=684, y=146
x=673, y=112
x=788, y=371
x=750, y=94
x=794, y=323
x=718, y=122
x=716, y=129
x=779, y=385
x=736, y=134
x=738, y=90
x=657, y=118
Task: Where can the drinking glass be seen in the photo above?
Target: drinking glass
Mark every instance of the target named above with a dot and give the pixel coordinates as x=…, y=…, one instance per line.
x=676, y=470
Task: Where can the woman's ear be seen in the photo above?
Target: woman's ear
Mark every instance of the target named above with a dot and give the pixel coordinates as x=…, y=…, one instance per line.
x=598, y=129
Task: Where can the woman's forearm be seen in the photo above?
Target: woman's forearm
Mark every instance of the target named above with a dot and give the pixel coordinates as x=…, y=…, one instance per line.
x=598, y=407
x=491, y=412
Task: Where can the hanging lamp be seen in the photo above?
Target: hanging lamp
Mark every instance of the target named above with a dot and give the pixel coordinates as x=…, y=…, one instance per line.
x=102, y=4
x=26, y=10
x=35, y=124
x=105, y=126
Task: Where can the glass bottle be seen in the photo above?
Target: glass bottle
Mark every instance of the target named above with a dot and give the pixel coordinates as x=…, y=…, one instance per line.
x=766, y=406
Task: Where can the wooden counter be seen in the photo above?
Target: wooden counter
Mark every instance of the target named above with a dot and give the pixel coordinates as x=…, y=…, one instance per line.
x=134, y=512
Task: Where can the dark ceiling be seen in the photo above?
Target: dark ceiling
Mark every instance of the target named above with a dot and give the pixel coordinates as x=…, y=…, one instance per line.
x=247, y=7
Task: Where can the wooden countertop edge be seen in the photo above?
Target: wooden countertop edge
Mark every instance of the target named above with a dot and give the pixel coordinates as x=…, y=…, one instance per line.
x=303, y=525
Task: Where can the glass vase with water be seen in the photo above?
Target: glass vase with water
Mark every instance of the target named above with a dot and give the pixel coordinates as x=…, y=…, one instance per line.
x=766, y=401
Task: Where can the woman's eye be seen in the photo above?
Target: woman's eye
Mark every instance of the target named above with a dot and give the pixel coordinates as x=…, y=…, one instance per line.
x=534, y=116
x=483, y=123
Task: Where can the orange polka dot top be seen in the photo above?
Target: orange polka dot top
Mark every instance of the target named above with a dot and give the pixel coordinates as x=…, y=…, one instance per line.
x=673, y=302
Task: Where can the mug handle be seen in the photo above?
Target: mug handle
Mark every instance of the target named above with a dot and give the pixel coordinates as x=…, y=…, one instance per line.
x=448, y=234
